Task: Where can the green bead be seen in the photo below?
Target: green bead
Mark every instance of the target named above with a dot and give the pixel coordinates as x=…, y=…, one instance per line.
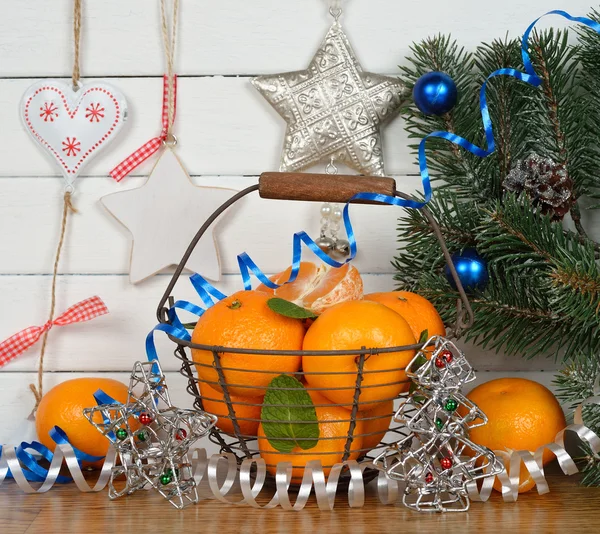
x=439, y=423
x=170, y=472
x=165, y=479
x=450, y=405
x=142, y=436
x=121, y=434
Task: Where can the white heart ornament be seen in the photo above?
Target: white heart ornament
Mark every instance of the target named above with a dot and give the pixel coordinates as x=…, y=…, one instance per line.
x=72, y=126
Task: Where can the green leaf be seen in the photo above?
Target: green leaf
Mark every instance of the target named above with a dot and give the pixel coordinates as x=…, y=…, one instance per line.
x=421, y=360
x=424, y=336
x=288, y=415
x=289, y=309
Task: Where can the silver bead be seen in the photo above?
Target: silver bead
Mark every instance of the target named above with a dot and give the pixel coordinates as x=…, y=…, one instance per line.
x=336, y=214
x=326, y=244
x=342, y=247
x=326, y=210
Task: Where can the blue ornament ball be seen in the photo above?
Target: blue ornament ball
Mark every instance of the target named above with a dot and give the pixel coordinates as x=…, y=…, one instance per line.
x=471, y=269
x=435, y=93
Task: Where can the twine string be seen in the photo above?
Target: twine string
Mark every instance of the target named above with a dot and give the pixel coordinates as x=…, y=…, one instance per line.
x=38, y=391
x=76, y=41
x=169, y=40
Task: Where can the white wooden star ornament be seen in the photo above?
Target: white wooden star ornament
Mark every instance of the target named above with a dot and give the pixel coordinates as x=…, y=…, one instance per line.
x=333, y=109
x=164, y=215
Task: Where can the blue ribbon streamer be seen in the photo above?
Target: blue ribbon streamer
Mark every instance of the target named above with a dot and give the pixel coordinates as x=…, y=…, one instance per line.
x=31, y=468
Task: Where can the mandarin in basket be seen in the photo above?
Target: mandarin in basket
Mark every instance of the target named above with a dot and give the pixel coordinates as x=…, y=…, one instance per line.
x=376, y=423
x=522, y=415
x=354, y=325
x=419, y=313
x=63, y=406
x=243, y=320
x=334, y=424
x=317, y=287
x=246, y=410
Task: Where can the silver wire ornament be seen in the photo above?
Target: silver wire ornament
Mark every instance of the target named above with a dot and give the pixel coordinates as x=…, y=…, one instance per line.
x=431, y=460
x=152, y=438
x=333, y=109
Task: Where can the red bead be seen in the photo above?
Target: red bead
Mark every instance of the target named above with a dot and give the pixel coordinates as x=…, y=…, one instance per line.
x=446, y=463
x=145, y=418
x=440, y=363
x=447, y=356
x=181, y=434
x=428, y=478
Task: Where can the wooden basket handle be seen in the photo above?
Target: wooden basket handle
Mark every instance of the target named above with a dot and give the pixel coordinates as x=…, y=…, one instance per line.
x=322, y=187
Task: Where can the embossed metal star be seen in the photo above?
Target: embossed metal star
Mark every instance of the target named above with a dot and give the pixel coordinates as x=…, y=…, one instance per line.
x=333, y=109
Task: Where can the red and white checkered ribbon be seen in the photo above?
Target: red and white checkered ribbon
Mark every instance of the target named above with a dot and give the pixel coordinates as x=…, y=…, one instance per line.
x=149, y=148
x=82, y=311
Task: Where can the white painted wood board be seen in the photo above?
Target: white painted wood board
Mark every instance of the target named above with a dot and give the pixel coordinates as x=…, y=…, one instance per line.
x=98, y=244
x=121, y=38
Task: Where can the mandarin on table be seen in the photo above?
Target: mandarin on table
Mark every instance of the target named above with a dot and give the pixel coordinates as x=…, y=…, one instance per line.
x=419, y=313
x=243, y=320
x=354, y=325
x=522, y=415
x=246, y=410
x=63, y=406
x=317, y=287
x=334, y=425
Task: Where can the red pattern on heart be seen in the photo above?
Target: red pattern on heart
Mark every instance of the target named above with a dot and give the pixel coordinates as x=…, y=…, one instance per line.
x=68, y=141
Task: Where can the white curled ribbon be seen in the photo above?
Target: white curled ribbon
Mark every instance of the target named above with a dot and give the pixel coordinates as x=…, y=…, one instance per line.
x=10, y=462
x=227, y=480
x=251, y=477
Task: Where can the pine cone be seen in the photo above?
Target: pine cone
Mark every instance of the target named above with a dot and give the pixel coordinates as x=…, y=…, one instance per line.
x=546, y=183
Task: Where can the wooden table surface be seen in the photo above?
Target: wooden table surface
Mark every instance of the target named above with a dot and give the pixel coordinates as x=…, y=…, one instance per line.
x=567, y=508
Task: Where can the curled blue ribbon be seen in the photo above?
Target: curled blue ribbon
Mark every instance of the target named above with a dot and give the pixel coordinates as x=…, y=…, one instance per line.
x=29, y=455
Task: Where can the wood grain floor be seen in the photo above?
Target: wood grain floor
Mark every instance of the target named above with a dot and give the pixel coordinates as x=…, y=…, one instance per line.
x=567, y=508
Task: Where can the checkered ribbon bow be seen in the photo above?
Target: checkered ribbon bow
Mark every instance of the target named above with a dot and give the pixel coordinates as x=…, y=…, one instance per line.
x=82, y=311
x=150, y=147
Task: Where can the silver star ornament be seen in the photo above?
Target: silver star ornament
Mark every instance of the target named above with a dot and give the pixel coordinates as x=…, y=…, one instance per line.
x=334, y=110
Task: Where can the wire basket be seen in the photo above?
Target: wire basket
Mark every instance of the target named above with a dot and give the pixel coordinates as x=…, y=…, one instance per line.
x=361, y=426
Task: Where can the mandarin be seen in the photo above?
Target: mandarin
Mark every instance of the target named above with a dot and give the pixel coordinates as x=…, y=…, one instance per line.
x=334, y=424
x=317, y=287
x=376, y=423
x=246, y=410
x=419, y=313
x=522, y=415
x=243, y=320
x=355, y=325
x=63, y=406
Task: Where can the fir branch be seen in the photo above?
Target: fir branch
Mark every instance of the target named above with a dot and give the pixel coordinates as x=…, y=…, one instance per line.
x=543, y=297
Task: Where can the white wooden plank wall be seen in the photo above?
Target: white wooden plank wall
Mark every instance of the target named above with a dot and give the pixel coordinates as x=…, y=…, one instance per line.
x=228, y=135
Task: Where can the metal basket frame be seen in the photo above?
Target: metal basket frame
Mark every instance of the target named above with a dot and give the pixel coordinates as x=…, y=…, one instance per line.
x=240, y=448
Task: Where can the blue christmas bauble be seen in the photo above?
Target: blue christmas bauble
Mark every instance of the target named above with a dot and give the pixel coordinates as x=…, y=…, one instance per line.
x=435, y=93
x=471, y=269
